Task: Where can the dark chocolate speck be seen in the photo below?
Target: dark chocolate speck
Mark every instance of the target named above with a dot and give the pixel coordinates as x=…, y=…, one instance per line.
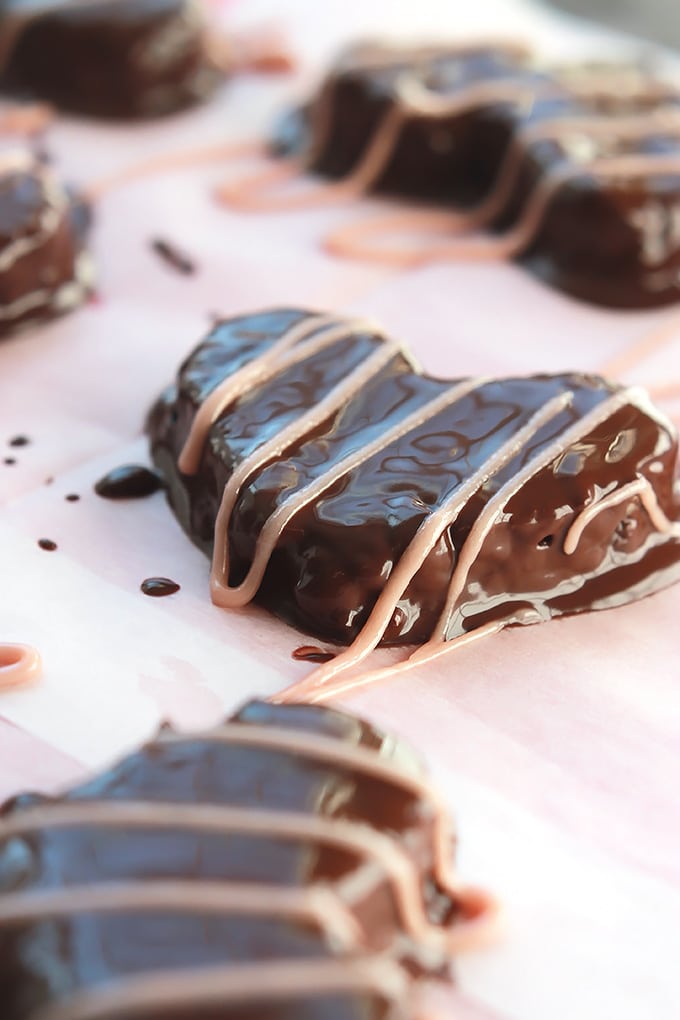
x=174, y=257
x=129, y=481
x=47, y=544
x=310, y=653
x=157, y=587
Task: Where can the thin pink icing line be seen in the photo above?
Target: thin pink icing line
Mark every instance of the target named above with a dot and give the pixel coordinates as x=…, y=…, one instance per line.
x=366, y=761
x=669, y=391
x=349, y=241
x=169, y=162
x=249, y=193
x=19, y=664
x=212, y=987
x=224, y=594
x=275, y=524
x=373, y=845
x=425, y=539
x=650, y=344
x=319, y=906
x=254, y=373
x=29, y=119
x=494, y=508
x=315, y=691
x=639, y=487
x=636, y=126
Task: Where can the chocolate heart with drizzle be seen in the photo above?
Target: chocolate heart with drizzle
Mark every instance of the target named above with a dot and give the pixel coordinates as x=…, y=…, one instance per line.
x=368, y=503
x=291, y=864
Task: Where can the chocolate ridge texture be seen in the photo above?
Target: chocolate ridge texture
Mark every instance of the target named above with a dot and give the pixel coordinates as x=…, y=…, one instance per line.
x=360, y=496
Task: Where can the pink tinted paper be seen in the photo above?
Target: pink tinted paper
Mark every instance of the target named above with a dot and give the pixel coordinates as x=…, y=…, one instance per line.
x=557, y=745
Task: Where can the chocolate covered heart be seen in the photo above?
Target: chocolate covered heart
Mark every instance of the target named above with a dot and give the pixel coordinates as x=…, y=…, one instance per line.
x=368, y=503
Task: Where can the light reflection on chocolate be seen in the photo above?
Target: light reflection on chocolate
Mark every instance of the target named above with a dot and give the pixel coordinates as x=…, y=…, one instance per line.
x=298, y=861
x=19, y=665
x=574, y=171
x=411, y=510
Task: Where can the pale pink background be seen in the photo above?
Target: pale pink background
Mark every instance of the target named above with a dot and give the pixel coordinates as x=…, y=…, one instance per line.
x=558, y=745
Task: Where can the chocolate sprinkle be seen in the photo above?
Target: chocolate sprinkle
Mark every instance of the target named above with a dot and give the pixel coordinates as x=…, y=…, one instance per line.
x=158, y=587
x=174, y=257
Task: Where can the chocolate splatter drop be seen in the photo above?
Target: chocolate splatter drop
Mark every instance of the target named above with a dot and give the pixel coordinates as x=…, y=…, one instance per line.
x=47, y=544
x=10, y=460
x=19, y=441
x=72, y=497
x=310, y=653
x=157, y=587
x=174, y=257
x=129, y=481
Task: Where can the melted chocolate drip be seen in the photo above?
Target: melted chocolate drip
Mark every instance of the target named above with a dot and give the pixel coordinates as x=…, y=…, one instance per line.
x=129, y=481
x=310, y=653
x=159, y=587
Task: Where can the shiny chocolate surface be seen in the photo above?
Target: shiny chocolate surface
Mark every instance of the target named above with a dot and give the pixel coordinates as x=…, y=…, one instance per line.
x=57, y=954
x=46, y=269
x=333, y=559
x=445, y=160
x=607, y=237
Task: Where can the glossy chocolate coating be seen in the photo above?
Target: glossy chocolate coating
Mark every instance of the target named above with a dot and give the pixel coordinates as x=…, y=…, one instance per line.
x=43, y=960
x=43, y=229
x=614, y=242
x=330, y=563
x=450, y=160
x=112, y=58
x=129, y=481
